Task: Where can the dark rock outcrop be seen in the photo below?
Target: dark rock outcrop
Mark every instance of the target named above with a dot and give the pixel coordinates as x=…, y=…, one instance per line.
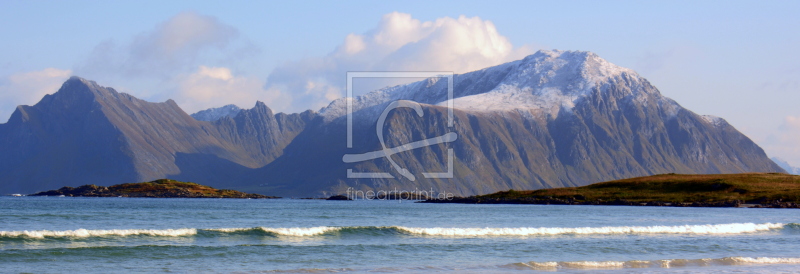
x=338, y=198
x=155, y=189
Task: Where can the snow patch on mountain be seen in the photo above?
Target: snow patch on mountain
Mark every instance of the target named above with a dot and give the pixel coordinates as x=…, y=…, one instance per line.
x=507, y=97
x=669, y=106
x=547, y=82
x=369, y=106
x=213, y=114
x=714, y=120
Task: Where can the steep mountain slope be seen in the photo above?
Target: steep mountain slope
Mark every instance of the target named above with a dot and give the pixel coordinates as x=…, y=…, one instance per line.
x=88, y=134
x=62, y=138
x=552, y=119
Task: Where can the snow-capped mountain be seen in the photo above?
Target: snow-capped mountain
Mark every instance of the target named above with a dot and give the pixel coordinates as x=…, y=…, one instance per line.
x=213, y=114
x=544, y=82
x=786, y=166
x=552, y=119
x=555, y=118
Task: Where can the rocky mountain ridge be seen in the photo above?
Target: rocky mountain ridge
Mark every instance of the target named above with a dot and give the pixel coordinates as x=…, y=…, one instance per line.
x=213, y=114
x=553, y=119
x=89, y=134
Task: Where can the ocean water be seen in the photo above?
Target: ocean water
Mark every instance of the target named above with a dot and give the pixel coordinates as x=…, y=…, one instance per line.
x=64, y=234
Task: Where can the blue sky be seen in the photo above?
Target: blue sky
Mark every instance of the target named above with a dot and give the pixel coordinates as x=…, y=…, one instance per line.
x=733, y=59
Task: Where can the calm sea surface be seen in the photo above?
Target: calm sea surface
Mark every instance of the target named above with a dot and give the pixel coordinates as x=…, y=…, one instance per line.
x=52, y=234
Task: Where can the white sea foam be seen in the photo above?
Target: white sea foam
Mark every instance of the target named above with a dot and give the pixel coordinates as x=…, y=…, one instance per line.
x=763, y=260
x=83, y=233
x=655, y=263
x=301, y=231
x=736, y=228
x=229, y=230
x=593, y=265
x=288, y=231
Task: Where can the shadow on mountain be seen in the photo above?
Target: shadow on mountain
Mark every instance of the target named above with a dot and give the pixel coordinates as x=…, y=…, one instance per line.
x=211, y=170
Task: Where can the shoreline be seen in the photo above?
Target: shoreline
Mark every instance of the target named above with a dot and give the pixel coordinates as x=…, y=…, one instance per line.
x=746, y=190
x=621, y=202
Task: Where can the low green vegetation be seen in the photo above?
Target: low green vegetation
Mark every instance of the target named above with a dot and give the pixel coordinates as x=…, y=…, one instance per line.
x=748, y=187
x=767, y=189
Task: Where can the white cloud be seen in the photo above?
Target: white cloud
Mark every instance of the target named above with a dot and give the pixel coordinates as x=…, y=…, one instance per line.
x=27, y=88
x=216, y=73
x=174, y=46
x=186, y=58
x=398, y=43
x=186, y=31
x=189, y=58
x=785, y=142
x=354, y=43
x=217, y=86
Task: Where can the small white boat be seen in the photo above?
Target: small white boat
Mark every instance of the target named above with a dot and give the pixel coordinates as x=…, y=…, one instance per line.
x=17, y=195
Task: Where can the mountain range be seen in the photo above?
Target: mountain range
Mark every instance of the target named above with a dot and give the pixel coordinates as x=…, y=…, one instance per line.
x=786, y=166
x=552, y=119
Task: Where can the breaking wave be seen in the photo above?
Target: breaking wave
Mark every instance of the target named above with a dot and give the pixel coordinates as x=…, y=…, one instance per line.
x=293, y=231
x=735, y=228
x=654, y=263
x=85, y=233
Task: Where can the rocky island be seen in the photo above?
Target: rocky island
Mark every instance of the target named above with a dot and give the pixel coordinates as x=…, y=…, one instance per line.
x=773, y=190
x=163, y=188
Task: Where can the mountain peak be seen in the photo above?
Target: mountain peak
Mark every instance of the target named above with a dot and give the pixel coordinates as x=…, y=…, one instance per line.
x=77, y=88
x=260, y=109
x=262, y=105
x=80, y=84
x=75, y=93
x=213, y=114
x=550, y=81
x=584, y=63
x=545, y=82
x=572, y=73
x=78, y=79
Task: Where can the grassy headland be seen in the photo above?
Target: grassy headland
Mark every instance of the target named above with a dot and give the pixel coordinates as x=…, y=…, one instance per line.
x=712, y=190
x=163, y=188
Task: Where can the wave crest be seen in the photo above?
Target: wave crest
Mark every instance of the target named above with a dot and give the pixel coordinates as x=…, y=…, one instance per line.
x=84, y=233
x=736, y=228
x=653, y=264
x=289, y=231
